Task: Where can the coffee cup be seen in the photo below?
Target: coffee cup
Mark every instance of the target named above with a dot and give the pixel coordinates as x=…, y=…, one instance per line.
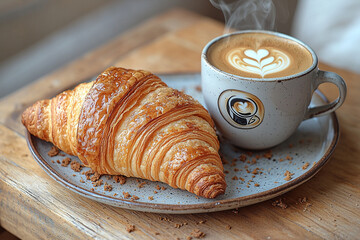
x=258, y=85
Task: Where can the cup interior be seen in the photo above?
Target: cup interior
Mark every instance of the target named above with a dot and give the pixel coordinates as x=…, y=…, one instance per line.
x=281, y=35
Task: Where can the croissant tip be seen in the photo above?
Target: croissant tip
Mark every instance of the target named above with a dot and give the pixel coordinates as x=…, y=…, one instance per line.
x=212, y=191
x=28, y=115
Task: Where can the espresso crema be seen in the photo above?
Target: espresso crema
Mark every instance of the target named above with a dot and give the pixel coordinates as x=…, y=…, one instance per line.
x=259, y=55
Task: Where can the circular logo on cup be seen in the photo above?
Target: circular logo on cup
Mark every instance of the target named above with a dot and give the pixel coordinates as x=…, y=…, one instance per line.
x=241, y=109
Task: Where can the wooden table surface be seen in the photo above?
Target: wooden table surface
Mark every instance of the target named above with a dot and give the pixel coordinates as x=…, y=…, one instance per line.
x=34, y=206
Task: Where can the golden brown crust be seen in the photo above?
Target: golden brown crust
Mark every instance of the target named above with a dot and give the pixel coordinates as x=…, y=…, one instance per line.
x=130, y=123
x=36, y=119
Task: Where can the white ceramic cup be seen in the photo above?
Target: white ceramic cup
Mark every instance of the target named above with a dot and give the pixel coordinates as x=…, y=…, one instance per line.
x=274, y=107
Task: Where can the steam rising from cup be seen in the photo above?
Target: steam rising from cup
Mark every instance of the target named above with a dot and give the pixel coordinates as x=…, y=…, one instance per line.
x=247, y=14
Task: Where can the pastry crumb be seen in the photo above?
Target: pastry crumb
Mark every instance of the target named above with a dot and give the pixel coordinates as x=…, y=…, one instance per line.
x=280, y=203
x=307, y=205
x=196, y=233
x=288, y=175
x=130, y=228
x=257, y=185
x=201, y=222
x=140, y=185
x=243, y=157
x=179, y=225
x=88, y=174
x=65, y=162
x=302, y=200
x=305, y=166
x=120, y=179
x=268, y=154
x=76, y=166
x=95, y=177
x=107, y=187
x=228, y=227
x=165, y=219
x=53, y=151
x=255, y=171
x=126, y=195
x=151, y=198
x=97, y=183
x=134, y=198
x=58, y=161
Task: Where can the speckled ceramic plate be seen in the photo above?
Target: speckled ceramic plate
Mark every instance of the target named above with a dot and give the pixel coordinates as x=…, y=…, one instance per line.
x=251, y=176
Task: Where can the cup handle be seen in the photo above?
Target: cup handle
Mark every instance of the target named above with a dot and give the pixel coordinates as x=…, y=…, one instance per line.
x=331, y=77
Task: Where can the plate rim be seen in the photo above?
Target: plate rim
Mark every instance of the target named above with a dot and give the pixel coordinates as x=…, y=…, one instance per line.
x=178, y=208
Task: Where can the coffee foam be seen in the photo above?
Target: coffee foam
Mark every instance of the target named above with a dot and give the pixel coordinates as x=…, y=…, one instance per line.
x=259, y=55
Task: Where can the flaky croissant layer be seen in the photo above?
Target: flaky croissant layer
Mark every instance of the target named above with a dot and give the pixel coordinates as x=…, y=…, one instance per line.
x=129, y=122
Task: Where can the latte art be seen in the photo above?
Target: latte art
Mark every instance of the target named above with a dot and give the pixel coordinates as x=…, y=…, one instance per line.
x=241, y=107
x=259, y=56
x=260, y=62
x=244, y=107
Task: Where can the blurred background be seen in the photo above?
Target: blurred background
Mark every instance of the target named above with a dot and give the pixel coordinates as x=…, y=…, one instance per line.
x=39, y=36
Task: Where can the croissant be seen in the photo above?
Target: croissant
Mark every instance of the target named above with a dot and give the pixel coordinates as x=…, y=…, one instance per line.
x=129, y=122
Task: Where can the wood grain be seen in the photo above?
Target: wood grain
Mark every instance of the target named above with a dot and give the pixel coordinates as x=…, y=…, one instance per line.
x=33, y=206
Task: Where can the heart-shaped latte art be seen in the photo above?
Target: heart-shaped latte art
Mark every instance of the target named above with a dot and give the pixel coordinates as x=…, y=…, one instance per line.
x=261, y=62
x=241, y=106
